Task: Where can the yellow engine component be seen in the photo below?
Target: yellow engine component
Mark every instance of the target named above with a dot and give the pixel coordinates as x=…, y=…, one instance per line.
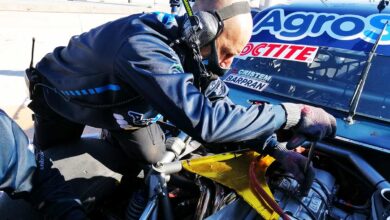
x=232, y=170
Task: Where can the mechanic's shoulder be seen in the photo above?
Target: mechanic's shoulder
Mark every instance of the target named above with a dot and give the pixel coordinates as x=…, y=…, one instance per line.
x=148, y=30
x=159, y=25
x=4, y=115
x=143, y=36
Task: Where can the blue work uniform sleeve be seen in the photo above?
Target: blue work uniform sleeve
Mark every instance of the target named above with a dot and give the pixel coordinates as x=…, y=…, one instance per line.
x=17, y=160
x=153, y=69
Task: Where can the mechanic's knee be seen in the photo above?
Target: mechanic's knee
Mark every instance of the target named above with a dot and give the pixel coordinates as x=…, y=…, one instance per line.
x=155, y=146
x=145, y=145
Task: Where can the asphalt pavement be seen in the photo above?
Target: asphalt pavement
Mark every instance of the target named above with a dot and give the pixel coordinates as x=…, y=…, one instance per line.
x=51, y=23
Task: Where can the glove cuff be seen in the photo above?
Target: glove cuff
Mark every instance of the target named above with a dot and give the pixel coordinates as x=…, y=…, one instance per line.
x=281, y=147
x=293, y=114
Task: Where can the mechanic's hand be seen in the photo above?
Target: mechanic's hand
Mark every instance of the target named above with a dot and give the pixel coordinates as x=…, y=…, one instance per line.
x=294, y=163
x=308, y=123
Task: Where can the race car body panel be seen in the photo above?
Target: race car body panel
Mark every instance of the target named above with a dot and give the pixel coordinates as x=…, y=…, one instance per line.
x=316, y=54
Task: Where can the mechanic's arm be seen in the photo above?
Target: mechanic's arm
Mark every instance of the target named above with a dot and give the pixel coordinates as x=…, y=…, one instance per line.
x=151, y=68
x=147, y=65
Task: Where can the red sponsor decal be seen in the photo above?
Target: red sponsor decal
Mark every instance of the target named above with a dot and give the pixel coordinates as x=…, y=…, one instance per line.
x=301, y=53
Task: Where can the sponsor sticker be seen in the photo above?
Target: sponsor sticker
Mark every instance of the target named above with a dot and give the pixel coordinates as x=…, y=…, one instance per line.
x=176, y=68
x=298, y=25
x=248, y=79
x=294, y=52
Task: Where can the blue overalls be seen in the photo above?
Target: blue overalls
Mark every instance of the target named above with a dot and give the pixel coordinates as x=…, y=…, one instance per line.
x=120, y=75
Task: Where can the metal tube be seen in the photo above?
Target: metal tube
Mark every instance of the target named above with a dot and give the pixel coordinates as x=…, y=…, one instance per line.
x=168, y=168
x=359, y=89
x=375, y=178
x=149, y=208
x=169, y=156
x=310, y=156
x=164, y=201
x=203, y=202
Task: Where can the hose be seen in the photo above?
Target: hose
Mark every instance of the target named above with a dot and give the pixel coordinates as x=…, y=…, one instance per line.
x=260, y=193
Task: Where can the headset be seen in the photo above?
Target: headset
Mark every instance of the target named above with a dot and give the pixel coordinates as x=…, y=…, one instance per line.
x=208, y=25
x=202, y=28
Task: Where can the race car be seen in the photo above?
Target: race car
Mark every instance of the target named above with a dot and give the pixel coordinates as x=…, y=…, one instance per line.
x=333, y=56
x=328, y=55
x=317, y=54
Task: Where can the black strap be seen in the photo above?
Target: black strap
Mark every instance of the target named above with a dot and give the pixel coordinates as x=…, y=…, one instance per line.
x=233, y=10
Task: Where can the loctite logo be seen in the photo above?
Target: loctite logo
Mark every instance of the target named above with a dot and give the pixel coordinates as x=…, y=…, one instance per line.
x=293, y=52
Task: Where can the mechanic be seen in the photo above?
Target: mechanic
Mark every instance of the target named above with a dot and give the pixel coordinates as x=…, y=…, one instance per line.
x=26, y=173
x=121, y=75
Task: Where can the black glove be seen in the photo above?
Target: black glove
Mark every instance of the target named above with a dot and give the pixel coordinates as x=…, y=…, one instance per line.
x=294, y=163
x=308, y=123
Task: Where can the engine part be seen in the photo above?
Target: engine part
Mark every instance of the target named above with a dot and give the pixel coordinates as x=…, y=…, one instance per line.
x=203, y=202
x=380, y=207
x=176, y=145
x=309, y=158
x=373, y=176
x=337, y=213
x=385, y=193
x=313, y=206
x=238, y=209
x=168, y=168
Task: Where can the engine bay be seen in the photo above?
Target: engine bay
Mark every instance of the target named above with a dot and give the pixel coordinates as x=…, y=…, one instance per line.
x=345, y=186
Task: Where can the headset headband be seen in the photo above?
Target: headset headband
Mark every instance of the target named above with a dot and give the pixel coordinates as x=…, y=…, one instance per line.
x=203, y=28
x=233, y=10
x=225, y=12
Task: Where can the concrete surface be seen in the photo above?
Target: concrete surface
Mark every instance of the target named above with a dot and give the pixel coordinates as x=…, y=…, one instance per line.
x=52, y=23
x=83, y=6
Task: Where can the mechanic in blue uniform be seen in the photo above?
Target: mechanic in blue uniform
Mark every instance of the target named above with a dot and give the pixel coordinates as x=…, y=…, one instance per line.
x=26, y=173
x=121, y=75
